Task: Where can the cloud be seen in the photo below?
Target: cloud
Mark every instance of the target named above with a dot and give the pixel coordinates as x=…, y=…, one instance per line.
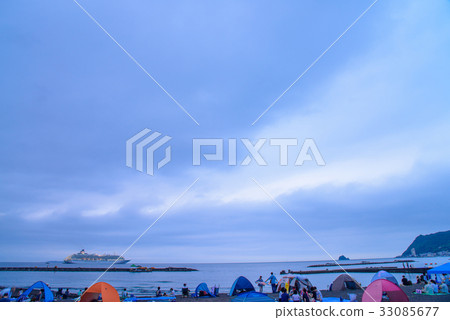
x=101, y=210
x=357, y=123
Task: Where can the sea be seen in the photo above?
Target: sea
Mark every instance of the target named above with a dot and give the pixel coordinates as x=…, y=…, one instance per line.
x=221, y=275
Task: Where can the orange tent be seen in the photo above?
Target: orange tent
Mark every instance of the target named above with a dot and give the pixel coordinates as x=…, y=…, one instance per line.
x=108, y=292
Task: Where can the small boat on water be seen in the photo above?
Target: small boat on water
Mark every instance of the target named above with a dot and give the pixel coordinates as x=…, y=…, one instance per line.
x=83, y=256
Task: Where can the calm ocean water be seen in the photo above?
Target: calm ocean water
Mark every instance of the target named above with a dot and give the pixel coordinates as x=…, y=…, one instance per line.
x=218, y=274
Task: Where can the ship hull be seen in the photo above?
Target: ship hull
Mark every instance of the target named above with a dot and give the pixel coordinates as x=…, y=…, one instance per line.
x=95, y=261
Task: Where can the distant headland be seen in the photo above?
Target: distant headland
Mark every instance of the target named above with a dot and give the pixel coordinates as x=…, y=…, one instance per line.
x=430, y=245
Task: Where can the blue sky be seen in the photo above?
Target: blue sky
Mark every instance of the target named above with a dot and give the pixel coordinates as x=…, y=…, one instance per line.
x=376, y=105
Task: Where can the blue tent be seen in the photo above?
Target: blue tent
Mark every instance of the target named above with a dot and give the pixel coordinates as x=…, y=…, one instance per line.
x=253, y=297
x=48, y=294
x=384, y=275
x=241, y=284
x=443, y=269
x=203, y=287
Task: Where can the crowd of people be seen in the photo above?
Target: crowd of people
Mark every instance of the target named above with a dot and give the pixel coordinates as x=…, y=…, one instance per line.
x=432, y=286
x=305, y=294
x=312, y=295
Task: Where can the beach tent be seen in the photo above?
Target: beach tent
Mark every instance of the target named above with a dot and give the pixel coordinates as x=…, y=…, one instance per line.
x=48, y=294
x=296, y=282
x=384, y=275
x=344, y=282
x=443, y=269
x=6, y=291
x=374, y=292
x=206, y=293
x=241, y=284
x=108, y=292
x=253, y=297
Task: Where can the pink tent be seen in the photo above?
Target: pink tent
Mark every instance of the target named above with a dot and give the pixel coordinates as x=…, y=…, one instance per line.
x=374, y=292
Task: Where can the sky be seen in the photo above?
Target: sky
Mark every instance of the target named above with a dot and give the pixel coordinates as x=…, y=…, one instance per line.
x=376, y=106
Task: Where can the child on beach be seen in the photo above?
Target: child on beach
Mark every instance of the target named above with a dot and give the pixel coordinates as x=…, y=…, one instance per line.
x=260, y=283
x=305, y=296
x=295, y=296
x=284, y=295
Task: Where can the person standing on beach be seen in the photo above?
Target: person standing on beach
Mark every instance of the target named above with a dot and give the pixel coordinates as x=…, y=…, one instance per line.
x=158, y=292
x=260, y=283
x=273, y=282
